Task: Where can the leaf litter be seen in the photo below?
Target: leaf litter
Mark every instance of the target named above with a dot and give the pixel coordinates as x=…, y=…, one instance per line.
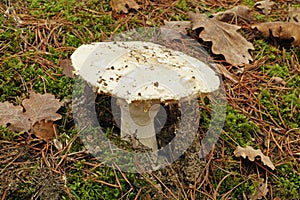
x=224, y=37
x=251, y=154
x=123, y=5
x=294, y=14
x=40, y=112
x=265, y=6
x=242, y=85
x=281, y=30
x=240, y=11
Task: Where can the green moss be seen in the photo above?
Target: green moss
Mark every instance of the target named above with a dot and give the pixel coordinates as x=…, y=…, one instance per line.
x=17, y=77
x=250, y=2
x=285, y=102
x=260, y=17
x=86, y=186
x=183, y=5
x=239, y=127
x=288, y=183
x=7, y=134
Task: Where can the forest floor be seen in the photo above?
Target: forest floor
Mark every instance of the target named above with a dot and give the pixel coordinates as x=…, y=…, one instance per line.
x=37, y=39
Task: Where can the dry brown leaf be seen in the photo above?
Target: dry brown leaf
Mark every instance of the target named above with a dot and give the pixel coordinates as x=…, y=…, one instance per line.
x=41, y=107
x=261, y=191
x=123, y=5
x=44, y=129
x=67, y=67
x=243, y=12
x=179, y=26
x=265, y=6
x=14, y=117
x=294, y=14
x=252, y=153
x=40, y=112
x=224, y=37
x=282, y=30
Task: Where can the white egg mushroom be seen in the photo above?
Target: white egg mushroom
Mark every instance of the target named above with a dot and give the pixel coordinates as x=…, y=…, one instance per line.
x=141, y=75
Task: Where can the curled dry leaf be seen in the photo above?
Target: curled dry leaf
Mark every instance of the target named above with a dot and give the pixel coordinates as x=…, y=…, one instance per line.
x=261, y=191
x=224, y=37
x=123, y=5
x=281, y=30
x=252, y=153
x=14, y=117
x=294, y=15
x=265, y=6
x=45, y=130
x=243, y=12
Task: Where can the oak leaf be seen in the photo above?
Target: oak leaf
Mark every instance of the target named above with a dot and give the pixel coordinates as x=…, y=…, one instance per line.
x=265, y=6
x=294, y=14
x=40, y=112
x=281, y=30
x=41, y=107
x=252, y=153
x=45, y=130
x=14, y=117
x=123, y=5
x=224, y=37
x=240, y=11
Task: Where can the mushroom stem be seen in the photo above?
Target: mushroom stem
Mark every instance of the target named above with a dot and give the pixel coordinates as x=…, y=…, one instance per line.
x=137, y=121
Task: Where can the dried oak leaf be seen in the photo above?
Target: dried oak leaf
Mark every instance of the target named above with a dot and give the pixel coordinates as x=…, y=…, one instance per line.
x=41, y=107
x=294, y=14
x=261, y=191
x=224, y=37
x=282, y=30
x=265, y=6
x=252, y=153
x=243, y=12
x=44, y=129
x=14, y=117
x=123, y=5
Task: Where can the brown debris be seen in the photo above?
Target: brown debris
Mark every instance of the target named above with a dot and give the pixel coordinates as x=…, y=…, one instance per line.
x=224, y=37
x=281, y=30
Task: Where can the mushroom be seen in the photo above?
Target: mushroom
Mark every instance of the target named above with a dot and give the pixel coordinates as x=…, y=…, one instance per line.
x=141, y=75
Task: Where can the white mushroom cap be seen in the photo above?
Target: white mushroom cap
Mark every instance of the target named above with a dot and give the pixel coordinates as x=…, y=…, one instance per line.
x=137, y=70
